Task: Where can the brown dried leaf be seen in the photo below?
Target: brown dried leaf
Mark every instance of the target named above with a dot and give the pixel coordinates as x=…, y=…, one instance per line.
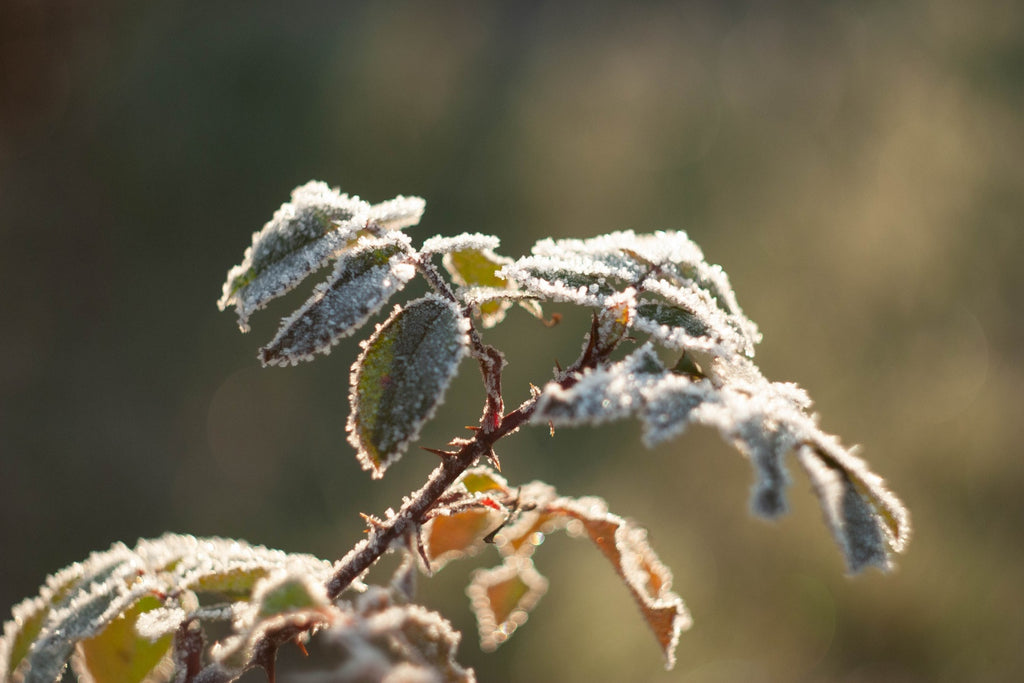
x=503, y=597
x=648, y=580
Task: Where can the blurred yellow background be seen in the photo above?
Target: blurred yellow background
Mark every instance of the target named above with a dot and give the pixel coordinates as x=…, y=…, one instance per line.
x=856, y=168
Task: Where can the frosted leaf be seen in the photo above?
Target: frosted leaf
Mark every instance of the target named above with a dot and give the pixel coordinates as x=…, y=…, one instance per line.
x=585, y=271
x=108, y=585
x=400, y=212
x=864, y=517
x=764, y=420
x=668, y=406
x=482, y=296
x=281, y=600
x=400, y=378
x=303, y=234
x=363, y=280
x=157, y=623
x=392, y=644
x=566, y=279
x=118, y=609
x=663, y=248
x=30, y=615
x=503, y=597
x=607, y=393
x=688, y=317
x=466, y=241
x=529, y=531
x=226, y=567
x=700, y=310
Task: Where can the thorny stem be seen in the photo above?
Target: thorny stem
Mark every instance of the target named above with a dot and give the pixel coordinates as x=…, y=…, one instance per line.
x=411, y=514
x=494, y=426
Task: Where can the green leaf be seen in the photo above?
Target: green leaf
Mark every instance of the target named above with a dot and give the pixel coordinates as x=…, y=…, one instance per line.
x=288, y=594
x=234, y=584
x=363, y=280
x=118, y=654
x=400, y=378
x=674, y=317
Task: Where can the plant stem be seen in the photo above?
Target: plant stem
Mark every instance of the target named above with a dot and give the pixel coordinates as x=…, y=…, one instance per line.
x=397, y=527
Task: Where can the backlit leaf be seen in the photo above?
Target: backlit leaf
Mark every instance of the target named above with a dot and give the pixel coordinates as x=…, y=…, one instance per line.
x=234, y=584
x=283, y=602
x=523, y=537
x=118, y=654
x=472, y=263
x=363, y=280
x=459, y=535
x=503, y=597
x=648, y=580
x=482, y=479
x=287, y=593
x=400, y=378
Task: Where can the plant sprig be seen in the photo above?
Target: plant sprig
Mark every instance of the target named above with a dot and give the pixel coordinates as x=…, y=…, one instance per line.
x=654, y=293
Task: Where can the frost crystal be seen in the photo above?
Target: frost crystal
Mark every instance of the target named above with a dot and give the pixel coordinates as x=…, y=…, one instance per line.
x=400, y=212
x=464, y=242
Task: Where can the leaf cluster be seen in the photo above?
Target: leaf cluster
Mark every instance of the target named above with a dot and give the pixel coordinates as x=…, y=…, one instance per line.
x=668, y=345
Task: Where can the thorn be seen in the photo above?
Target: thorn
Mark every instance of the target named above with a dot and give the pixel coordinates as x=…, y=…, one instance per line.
x=492, y=457
x=535, y=391
x=473, y=428
x=438, y=452
x=301, y=645
x=558, y=366
x=551, y=428
x=371, y=521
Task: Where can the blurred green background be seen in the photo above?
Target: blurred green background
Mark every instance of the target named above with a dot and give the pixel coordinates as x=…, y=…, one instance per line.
x=856, y=168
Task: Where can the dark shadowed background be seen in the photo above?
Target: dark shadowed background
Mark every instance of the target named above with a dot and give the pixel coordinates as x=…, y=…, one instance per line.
x=856, y=169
